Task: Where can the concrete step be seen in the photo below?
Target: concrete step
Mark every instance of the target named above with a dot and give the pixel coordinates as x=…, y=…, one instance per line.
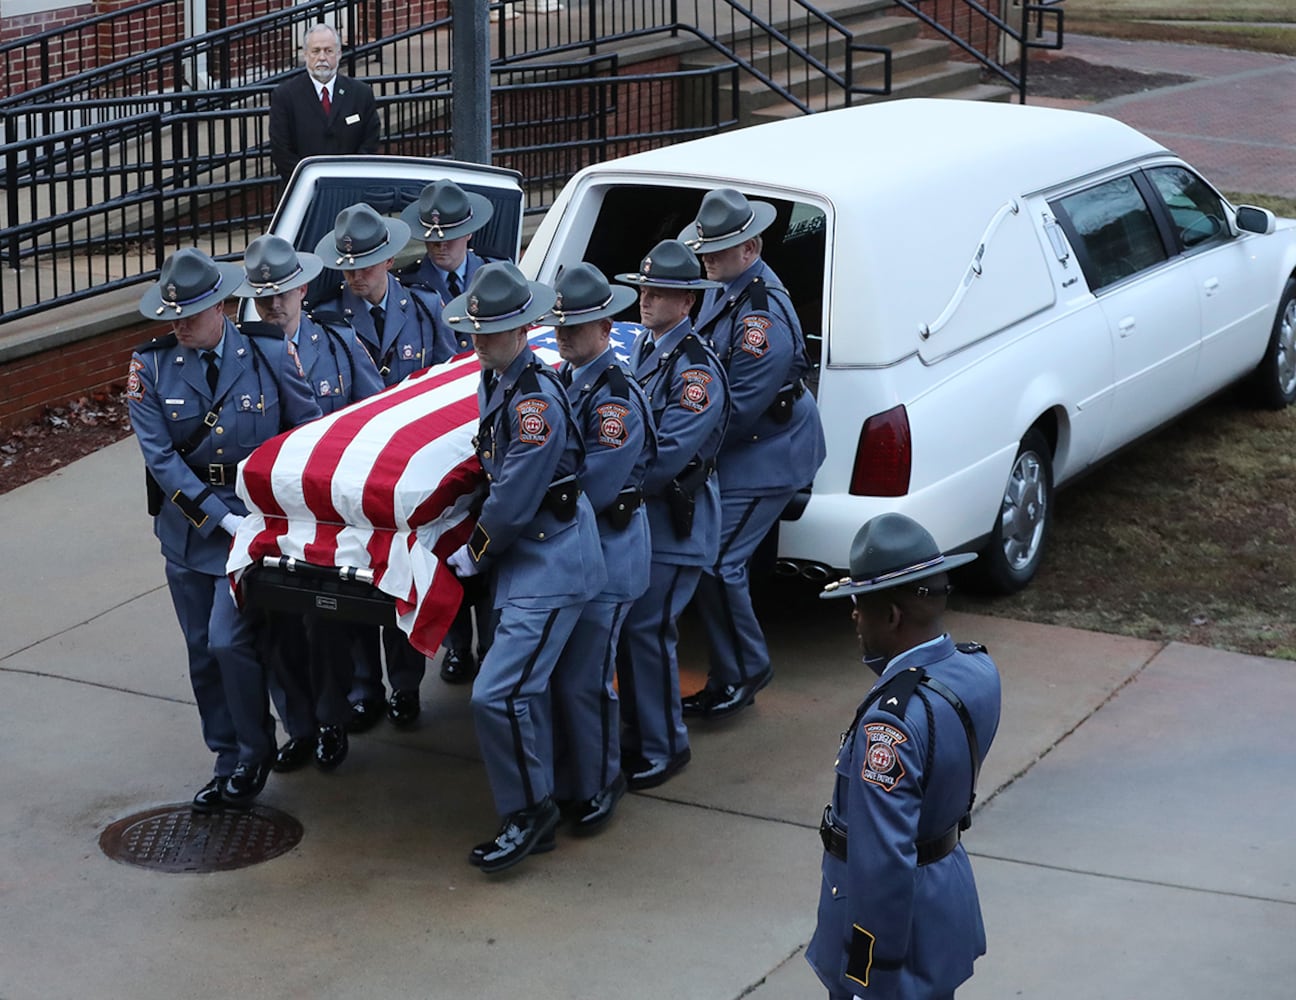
x=769, y=55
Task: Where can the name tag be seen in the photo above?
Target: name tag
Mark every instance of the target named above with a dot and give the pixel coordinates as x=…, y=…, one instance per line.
x=352, y=119
x=175, y=402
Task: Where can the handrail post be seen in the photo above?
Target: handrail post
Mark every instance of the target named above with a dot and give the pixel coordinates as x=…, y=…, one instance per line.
x=11, y=189
x=592, y=8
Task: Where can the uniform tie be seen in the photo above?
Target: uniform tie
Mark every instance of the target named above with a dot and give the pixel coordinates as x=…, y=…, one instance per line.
x=380, y=320
x=325, y=103
x=566, y=376
x=648, y=346
x=213, y=372
x=453, y=283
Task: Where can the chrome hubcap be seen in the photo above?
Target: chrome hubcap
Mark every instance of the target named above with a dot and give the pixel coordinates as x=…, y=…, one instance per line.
x=1025, y=511
x=1286, y=356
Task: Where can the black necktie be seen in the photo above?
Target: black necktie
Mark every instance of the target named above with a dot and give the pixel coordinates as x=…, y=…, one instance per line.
x=380, y=319
x=648, y=346
x=566, y=376
x=452, y=282
x=213, y=372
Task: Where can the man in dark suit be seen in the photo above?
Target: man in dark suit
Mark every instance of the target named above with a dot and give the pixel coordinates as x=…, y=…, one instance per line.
x=320, y=111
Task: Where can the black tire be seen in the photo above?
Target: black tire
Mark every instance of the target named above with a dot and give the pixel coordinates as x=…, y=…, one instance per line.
x=1013, y=555
x=1273, y=384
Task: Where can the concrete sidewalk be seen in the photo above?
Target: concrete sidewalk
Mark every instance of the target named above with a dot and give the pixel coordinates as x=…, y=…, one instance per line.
x=1133, y=839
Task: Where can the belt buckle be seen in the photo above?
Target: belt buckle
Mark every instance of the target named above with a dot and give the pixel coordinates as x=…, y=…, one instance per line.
x=216, y=474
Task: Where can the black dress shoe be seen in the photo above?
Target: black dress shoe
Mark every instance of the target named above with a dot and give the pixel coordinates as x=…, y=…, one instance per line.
x=652, y=773
x=458, y=666
x=208, y=799
x=294, y=754
x=245, y=784
x=365, y=714
x=524, y=832
x=593, y=814
x=331, y=747
x=720, y=703
x=403, y=707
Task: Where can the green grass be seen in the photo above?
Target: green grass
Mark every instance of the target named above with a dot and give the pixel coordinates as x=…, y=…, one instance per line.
x=1260, y=25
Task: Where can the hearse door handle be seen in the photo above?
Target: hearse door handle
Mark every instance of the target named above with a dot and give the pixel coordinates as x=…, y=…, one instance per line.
x=1212, y=286
x=1126, y=326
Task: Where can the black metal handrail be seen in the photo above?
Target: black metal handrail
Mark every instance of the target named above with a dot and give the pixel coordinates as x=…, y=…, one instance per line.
x=991, y=28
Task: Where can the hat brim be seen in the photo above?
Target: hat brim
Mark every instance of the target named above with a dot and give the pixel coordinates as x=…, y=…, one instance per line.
x=310, y=265
x=622, y=298
x=847, y=587
x=151, y=306
x=398, y=236
x=482, y=210
x=648, y=281
x=458, y=319
x=763, y=214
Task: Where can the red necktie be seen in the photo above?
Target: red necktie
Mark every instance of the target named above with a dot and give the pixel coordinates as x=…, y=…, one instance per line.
x=325, y=103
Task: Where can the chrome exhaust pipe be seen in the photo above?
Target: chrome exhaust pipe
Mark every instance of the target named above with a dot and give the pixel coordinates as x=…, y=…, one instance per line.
x=817, y=572
x=787, y=567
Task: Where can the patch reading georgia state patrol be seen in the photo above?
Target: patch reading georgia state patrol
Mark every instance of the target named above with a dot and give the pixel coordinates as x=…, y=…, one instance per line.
x=292, y=353
x=754, y=341
x=612, y=431
x=533, y=428
x=134, y=384
x=695, y=396
x=882, y=765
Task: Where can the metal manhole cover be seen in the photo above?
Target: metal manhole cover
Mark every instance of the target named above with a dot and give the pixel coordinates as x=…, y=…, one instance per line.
x=177, y=839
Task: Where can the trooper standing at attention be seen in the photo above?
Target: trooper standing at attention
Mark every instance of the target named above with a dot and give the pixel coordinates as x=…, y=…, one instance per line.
x=536, y=535
x=311, y=663
x=403, y=331
x=201, y=399
x=899, y=917
x=685, y=385
x=445, y=217
x=616, y=422
x=773, y=446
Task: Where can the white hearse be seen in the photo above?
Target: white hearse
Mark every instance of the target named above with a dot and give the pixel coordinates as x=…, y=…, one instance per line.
x=996, y=296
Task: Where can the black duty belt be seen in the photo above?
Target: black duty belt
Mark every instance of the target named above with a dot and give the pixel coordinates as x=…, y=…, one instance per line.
x=834, y=841
x=618, y=513
x=216, y=474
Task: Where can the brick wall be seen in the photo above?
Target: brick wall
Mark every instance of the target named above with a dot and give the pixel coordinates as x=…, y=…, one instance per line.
x=20, y=74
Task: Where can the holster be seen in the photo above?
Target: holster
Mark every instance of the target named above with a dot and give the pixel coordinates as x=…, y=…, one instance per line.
x=153, y=493
x=619, y=512
x=560, y=498
x=780, y=411
x=679, y=494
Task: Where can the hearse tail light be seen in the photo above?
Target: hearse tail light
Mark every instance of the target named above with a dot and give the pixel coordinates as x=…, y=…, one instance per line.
x=884, y=456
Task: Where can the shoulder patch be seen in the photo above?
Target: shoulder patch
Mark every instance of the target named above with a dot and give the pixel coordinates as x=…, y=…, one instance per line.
x=882, y=765
x=533, y=427
x=970, y=647
x=695, y=395
x=754, y=339
x=134, y=384
x=612, y=429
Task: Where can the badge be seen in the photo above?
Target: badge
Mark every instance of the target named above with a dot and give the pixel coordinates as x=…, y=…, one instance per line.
x=324, y=387
x=532, y=426
x=695, y=396
x=134, y=384
x=882, y=765
x=612, y=432
x=245, y=402
x=407, y=352
x=754, y=341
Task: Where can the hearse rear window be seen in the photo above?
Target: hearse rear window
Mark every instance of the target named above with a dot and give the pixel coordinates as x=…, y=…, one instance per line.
x=1112, y=229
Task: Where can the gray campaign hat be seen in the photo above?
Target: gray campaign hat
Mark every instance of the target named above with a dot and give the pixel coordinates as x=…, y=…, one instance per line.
x=892, y=550
x=499, y=298
x=445, y=211
x=189, y=282
x=726, y=218
x=361, y=237
x=670, y=264
x=271, y=266
x=584, y=295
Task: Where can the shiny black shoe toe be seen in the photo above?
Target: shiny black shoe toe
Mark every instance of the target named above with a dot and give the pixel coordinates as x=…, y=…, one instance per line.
x=403, y=707
x=208, y=799
x=592, y=815
x=245, y=784
x=331, y=747
x=653, y=773
x=458, y=666
x=695, y=705
x=294, y=754
x=720, y=703
x=365, y=714
x=527, y=831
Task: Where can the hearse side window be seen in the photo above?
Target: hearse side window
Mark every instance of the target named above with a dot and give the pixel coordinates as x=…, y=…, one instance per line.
x=633, y=219
x=1197, y=213
x=1112, y=229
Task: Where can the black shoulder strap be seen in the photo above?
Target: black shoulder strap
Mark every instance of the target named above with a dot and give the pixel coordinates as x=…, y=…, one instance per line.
x=256, y=328
x=968, y=728
x=693, y=350
x=759, y=295
x=164, y=343
x=614, y=377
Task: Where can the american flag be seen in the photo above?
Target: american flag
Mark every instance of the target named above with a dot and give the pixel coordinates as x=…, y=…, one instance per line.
x=386, y=484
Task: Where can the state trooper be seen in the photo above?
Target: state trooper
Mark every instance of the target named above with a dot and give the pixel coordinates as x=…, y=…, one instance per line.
x=774, y=443
x=536, y=535
x=685, y=385
x=445, y=217
x=201, y=399
x=898, y=910
x=310, y=662
x=614, y=418
x=404, y=332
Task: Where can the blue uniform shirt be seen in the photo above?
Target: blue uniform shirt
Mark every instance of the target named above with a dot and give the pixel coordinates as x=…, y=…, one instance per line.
x=338, y=367
x=425, y=274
